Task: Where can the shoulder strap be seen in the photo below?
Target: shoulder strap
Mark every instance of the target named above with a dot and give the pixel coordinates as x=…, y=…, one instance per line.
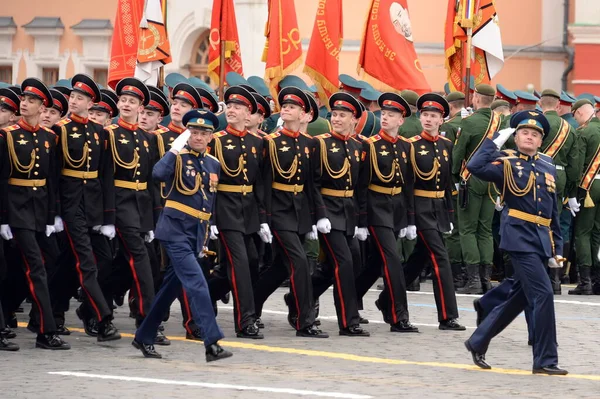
x=491, y=129
x=559, y=140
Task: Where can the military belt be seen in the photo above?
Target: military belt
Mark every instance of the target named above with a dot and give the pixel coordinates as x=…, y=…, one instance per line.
x=337, y=193
x=528, y=217
x=560, y=167
x=385, y=190
x=429, y=194
x=290, y=188
x=188, y=210
x=131, y=185
x=79, y=174
x=27, y=182
x=230, y=188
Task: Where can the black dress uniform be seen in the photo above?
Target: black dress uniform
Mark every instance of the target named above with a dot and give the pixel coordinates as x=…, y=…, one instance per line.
x=28, y=195
x=336, y=162
x=287, y=181
x=385, y=198
x=87, y=202
x=431, y=158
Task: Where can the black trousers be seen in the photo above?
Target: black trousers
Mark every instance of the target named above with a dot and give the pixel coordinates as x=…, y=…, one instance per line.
x=430, y=248
x=41, y=317
x=339, y=271
x=135, y=252
x=290, y=260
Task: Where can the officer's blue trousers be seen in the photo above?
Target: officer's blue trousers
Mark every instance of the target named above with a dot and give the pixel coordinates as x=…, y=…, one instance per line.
x=532, y=286
x=184, y=270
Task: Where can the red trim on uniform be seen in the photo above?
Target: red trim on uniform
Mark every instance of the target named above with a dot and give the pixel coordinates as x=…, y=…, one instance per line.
x=156, y=105
x=135, y=90
x=293, y=98
x=292, y=283
x=208, y=104
x=240, y=98
x=174, y=128
x=261, y=109
x=341, y=136
x=127, y=125
x=106, y=106
x=57, y=104
x=525, y=101
x=27, y=126
x=387, y=274
x=387, y=137
x=80, y=273
x=235, y=132
x=436, y=269
x=345, y=104
x=78, y=119
x=289, y=133
x=188, y=97
x=433, y=104
x=394, y=104
x=188, y=317
x=85, y=88
x=350, y=89
x=8, y=101
x=429, y=137
x=134, y=274
x=32, y=291
x=37, y=92
x=338, y=282
x=500, y=96
x=234, y=288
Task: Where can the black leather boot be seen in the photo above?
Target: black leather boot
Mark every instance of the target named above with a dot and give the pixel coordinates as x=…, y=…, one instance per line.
x=457, y=275
x=585, y=282
x=473, y=285
x=485, y=274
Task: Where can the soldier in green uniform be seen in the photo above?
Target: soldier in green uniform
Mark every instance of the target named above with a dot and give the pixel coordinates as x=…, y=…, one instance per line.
x=476, y=206
x=411, y=126
x=315, y=124
x=525, y=101
x=502, y=93
x=566, y=102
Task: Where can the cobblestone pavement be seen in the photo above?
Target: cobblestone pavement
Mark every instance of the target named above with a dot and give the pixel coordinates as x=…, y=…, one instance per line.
x=433, y=363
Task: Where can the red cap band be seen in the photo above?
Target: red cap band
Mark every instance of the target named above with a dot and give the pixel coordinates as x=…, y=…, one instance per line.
x=10, y=102
x=187, y=96
x=38, y=93
x=106, y=106
x=208, y=104
x=345, y=104
x=433, y=104
x=135, y=90
x=293, y=98
x=57, y=104
x=261, y=109
x=86, y=89
x=156, y=105
x=394, y=104
x=238, y=97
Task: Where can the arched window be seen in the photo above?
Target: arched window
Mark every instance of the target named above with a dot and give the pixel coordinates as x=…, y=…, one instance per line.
x=199, y=57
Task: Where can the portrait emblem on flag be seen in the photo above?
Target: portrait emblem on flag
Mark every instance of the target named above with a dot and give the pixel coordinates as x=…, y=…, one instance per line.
x=401, y=21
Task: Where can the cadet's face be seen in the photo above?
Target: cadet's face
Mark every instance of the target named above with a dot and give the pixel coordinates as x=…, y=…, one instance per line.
x=342, y=122
x=79, y=104
x=50, y=117
x=100, y=117
x=254, y=120
x=291, y=113
x=431, y=121
x=199, y=139
x=149, y=120
x=178, y=109
x=31, y=106
x=528, y=140
x=237, y=113
x=129, y=107
x=391, y=120
x=6, y=117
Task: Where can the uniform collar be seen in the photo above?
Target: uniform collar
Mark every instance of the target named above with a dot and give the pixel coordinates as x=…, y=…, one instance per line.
x=126, y=125
x=289, y=133
x=235, y=132
x=529, y=158
x=78, y=119
x=428, y=137
x=387, y=137
x=195, y=153
x=341, y=136
x=174, y=128
x=551, y=113
x=27, y=126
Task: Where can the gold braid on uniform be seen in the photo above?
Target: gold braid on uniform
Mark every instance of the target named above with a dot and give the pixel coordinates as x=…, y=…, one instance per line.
x=375, y=167
x=325, y=162
x=286, y=174
x=125, y=165
x=178, y=182
x=72, y=163
x=161, y=145
x=425, y=176
x=228, y=171
x=509, y=180
x=15, y=159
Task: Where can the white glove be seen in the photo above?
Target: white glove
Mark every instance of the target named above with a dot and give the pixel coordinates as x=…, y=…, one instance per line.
x=181, y=141
x=402, y=233
x=451, y=229
x=50, y=230
x=574, y=206
x=554, y=264
x=214, y=232
x=464, y=112
x=324, y=226
x=108, y=231
x=313, y=236
x=58, y=224
x=411, y=232
x=355, y=231
x=503, y=135
x=202, y=254
x=598, y=256
x=5, y=232
x=457, y=186
x=498, y=205
x=149, y=237
x=97, y=228
x=362, y=233
x=265, y=233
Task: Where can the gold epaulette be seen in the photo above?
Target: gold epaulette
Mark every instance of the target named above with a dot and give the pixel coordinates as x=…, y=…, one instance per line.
x=307, y=135
x=255, y=134
x=219, y=134
x=506, y=158
x=272, y=135
x=510, y=152
x=323, y=136
x=11, y=128
x=48, y=130
x=363, y=138
x=63, y=122
x=112, y=127
x=444, y=138
x=373, y=139
x=161, y=130
x=414, y=139
x=215, y=158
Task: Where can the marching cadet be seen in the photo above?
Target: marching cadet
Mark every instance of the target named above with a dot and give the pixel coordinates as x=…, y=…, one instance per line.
x=287, y=181
x=152, y=115
x=28, y=180
x=106, y=109
x=255, y=120
x=566, y=103
x=411, y=126
x=560, y=143
x=313, y=124
x=239, y=212
x=589, y=192
x=386, y=210
x=9, y=107
x=86, y=198
x=335, y=175
x=530, y=232
x=191, y=176
x=431, y=160
x=476, y=206
x=60, y=106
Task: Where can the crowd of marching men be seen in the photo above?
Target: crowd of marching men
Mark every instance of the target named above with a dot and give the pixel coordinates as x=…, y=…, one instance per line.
x=369, y=185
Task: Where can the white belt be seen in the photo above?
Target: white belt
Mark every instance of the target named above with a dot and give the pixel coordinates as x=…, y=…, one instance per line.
x=560, y=167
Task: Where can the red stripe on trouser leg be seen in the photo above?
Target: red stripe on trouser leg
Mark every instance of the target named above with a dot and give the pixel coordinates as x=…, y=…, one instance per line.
x=436, y=269
x=292, y=283
x=238, y=321
x=80, y=274
x=135, y=276
x=32, y=290
x=337, y=279
x=387, y=274
x=188, y=316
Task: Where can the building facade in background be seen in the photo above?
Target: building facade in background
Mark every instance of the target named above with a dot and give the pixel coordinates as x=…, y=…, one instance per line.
x=54, y=40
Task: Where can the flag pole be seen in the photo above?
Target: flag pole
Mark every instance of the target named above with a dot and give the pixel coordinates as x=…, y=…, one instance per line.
x=467, y=81
x=221, y=60
x=161, y=70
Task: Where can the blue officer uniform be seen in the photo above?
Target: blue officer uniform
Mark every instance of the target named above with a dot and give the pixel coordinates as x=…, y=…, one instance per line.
x=530, y=233
x=191, y=179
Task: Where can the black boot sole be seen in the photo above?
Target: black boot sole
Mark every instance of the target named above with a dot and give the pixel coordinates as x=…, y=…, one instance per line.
x=52, y=348
x=136, y=345
x=112, y=337
x=221, y=356
x=250, y=336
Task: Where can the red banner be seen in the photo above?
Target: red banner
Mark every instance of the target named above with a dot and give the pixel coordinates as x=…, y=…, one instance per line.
x=125, y=40
x=283, y=48
x=223, y=31
x=387, y=53
x=323, y=57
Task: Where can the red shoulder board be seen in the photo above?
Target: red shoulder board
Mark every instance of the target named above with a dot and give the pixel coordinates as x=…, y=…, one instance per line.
x=443, y=137
x=323, y=136
x=48, y=130
x=373, y=139
x=272, y=135
x=415, y=138
x=11, y=128
x=63, y=122
x=307, y=135
x=219, y=134
x=255, y=134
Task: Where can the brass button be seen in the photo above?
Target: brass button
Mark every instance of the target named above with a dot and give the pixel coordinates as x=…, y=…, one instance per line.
x=35, y=173
x=90, y=150
x=35, y=189
x=37, y=165
x=539, y=200
x=138, y=173
x=37, y=157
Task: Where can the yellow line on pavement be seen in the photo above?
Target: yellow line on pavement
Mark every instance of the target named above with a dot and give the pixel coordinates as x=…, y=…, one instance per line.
x=359, y=358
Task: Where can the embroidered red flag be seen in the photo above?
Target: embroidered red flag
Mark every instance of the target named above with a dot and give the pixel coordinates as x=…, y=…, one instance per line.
x=125, y=40
x=223, y=28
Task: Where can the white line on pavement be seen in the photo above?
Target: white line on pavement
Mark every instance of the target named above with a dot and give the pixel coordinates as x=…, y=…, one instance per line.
x=212, y=385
